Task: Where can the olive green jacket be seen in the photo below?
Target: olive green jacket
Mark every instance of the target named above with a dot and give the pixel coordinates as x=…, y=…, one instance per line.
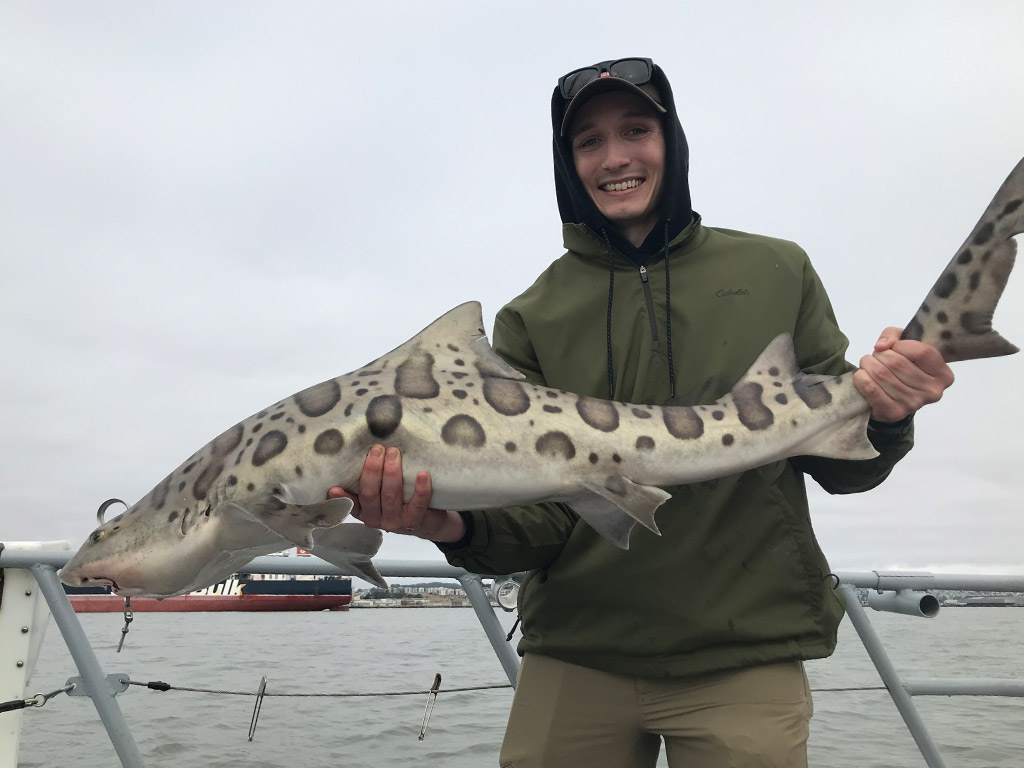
x=737, y=577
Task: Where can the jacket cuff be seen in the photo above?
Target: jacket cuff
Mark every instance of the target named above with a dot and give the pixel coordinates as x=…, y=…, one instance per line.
x=467, y=537
x=891, y=429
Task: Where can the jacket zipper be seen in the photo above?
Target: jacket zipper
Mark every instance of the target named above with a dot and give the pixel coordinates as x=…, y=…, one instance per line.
x=650, y=303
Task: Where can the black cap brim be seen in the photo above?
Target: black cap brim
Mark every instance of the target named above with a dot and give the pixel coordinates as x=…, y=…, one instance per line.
x=604, y=85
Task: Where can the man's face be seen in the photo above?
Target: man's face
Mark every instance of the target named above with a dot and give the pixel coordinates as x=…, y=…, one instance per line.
x=618, y=147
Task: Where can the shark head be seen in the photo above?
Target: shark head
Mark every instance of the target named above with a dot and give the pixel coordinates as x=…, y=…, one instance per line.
x=152, y=552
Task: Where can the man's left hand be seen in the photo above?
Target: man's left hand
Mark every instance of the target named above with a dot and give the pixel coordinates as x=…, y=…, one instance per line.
x=901, y=376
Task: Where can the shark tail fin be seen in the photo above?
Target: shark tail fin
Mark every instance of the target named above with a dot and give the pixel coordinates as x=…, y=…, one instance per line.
x=956, y=317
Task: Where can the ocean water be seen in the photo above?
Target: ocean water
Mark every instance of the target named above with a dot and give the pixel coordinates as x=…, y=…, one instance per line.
x=394, y=650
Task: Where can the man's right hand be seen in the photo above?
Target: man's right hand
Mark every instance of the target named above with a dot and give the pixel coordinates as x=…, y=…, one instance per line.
x=381, y=500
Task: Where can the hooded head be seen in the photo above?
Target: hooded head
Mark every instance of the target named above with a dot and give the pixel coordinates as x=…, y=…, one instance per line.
x=647, y=83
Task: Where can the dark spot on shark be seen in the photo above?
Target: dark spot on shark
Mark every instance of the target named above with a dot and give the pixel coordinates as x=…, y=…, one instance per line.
x=232, y=480
x=453, y=348
x=1010, y=207
x=751, y=410
x=728, y=439
x=965, y=256
x=552, y=409
x=599, y=414
x=348, y=409
x=459, y=393
x=510, y=447
x=975, y=323
x=984, y=234
x=593, y=458
x=172, y=517
x=459, y=374
x=415, y=377
x=644, y=443
x=369, y=373
x=361, y=392
x=355, y=383
x=328, y=443
x=459, y=361
x=383, y=415
x=318, y=399
x=373, y=384
x=914, y=330
x=814, y=393
x=277, y=416
x=181, y=486
x=773, y=371
x=189, y=467
x=683, y=422
x=248, y=442
x=555, y=445
x=227, y=441
x=269, y=446
x=257, y=427
x=974, y=281
x=616, y=458
x=616, y=484
x=551, y=393
x=641, y=414
x=463, y=431
x=945, y=285
x=298, y=471
x=505, y=396
x=250, y=487
x=302, y=428
x=942, y=317
x=781, y=398
x=946, y=335
x=160, y=493
x=717, y=415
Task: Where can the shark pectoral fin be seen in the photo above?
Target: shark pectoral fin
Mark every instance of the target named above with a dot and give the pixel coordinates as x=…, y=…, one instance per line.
x=613, y=508
x=848, y=440
x=350, y=547
x=296, y=522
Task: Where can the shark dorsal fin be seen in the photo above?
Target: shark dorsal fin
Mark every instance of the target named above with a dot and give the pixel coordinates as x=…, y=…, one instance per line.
x=456, y=339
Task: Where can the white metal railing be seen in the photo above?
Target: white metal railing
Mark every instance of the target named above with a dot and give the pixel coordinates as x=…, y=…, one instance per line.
x=903, y=590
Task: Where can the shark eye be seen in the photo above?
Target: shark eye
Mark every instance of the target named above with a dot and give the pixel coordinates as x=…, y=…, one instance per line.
x=96, y=536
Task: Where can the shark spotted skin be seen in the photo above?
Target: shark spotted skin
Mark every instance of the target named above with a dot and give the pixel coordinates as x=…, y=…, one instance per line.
x=491, y=440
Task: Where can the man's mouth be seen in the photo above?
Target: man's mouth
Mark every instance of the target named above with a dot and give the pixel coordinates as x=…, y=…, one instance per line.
x=621, y=186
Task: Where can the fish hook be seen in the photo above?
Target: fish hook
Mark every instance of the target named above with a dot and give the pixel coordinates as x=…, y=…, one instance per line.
x=105, y=506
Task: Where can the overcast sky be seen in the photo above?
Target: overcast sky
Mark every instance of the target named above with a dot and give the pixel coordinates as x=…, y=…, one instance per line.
x=205, y=207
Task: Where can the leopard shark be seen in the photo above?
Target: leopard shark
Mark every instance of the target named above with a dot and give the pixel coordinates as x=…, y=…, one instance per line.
x=490, y=439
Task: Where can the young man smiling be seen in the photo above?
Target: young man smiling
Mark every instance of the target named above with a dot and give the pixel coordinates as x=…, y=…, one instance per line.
x=695, y=639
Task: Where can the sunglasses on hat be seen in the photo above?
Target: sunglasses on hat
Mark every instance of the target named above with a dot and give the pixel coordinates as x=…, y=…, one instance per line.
x=635, y=70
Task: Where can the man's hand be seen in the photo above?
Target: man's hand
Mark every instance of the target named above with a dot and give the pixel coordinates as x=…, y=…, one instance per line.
x=901, y=376
x=381, y=500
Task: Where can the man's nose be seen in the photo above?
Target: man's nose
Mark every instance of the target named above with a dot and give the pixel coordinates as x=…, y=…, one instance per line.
x=616, y=156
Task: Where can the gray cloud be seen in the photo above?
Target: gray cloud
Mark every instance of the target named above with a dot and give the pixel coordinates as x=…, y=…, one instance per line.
x=205, y=208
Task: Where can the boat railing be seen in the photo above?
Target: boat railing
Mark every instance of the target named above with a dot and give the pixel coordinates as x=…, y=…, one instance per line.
x=21, y=622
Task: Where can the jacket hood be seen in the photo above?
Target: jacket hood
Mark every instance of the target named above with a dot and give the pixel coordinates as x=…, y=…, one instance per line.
x=576, y=207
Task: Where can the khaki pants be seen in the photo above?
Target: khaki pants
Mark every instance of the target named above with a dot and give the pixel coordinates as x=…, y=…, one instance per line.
x=565, y=716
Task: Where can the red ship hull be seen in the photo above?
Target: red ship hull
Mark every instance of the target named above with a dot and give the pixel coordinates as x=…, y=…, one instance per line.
x=115, y=604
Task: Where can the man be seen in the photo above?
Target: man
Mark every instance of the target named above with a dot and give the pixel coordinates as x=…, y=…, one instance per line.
x=695, y=638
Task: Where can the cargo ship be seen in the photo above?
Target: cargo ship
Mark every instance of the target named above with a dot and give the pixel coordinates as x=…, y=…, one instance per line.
x=241, y=592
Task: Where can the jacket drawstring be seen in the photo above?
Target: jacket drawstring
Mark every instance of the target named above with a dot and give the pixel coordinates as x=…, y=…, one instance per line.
x=668, y=319
x=608, y=326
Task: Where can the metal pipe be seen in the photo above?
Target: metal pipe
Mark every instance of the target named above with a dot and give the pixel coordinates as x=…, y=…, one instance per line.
x=89, y=667
x=492, y=627
x=964, y=686
x=891, y=679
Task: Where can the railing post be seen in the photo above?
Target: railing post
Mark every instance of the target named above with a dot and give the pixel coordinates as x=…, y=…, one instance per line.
x=474, y=588
x=900, y=697
x=81, y=651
